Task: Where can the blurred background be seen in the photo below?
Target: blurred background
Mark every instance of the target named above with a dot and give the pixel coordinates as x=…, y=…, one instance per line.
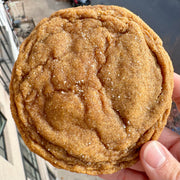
x=17, y=19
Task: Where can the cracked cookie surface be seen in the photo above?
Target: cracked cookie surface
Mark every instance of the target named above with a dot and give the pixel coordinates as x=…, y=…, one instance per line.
x=90, y=86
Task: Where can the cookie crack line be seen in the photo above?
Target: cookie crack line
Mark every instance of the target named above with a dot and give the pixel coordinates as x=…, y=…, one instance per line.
x=115, y=111
x=97, y=73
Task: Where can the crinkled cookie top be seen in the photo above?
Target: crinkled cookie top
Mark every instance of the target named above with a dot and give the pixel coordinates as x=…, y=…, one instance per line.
x=90, y=86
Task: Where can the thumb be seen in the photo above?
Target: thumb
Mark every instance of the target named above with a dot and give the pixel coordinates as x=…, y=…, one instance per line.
x=158, y=162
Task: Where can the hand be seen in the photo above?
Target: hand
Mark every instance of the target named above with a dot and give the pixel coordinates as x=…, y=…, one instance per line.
x=158, y=160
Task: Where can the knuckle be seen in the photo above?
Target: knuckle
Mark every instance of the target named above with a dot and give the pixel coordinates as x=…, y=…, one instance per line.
x=177, y=175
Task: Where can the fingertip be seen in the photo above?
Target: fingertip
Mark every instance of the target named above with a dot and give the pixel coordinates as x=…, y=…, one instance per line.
x=154, y=154
x=143, y=148
x=176, y=91
x=176, y=75
x=158, y=162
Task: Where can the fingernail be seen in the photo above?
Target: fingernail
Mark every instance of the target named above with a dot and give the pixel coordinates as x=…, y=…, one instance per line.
x=154, y=155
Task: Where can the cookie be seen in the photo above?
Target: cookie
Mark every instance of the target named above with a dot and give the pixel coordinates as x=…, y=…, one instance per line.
x=90, y=86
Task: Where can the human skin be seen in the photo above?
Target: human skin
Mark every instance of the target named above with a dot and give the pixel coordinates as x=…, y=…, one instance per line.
x=159, y=160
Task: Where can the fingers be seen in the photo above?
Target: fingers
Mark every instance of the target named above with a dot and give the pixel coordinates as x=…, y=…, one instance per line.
x=158, y=162
x=176, y=91
x=125, y=174
x=171, y=141
x=138, y=167
x=175, y=150
x=168, y=138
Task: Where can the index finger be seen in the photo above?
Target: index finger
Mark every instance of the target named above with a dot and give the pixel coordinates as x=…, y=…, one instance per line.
x=176, y=91
x=168, y=138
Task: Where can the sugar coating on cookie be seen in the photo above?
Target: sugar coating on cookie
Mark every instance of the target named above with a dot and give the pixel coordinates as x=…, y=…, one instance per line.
x=90, y=86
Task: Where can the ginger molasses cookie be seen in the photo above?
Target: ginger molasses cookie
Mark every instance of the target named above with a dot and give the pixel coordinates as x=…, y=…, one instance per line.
x=90, y=86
